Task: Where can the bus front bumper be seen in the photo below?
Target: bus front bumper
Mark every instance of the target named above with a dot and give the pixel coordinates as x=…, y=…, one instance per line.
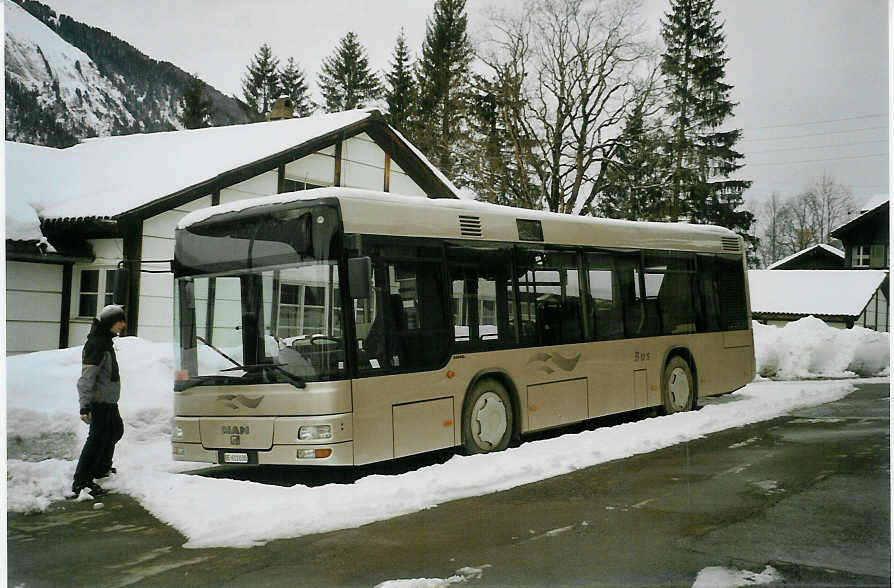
x=333, y=454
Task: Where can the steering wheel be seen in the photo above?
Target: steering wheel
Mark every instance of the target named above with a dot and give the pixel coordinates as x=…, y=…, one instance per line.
x=326, y=338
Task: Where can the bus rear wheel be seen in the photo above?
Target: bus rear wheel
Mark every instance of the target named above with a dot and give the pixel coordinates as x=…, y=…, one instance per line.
x=487, y=418
x=678, y=387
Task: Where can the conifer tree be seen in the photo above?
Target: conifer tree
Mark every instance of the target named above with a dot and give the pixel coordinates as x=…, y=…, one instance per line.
x=443, y=78
x=400, y=93
x=260, y=86
x=196, y=108
x=634, y=187
x=345, y=79
x=702, y=156
x=293, y=84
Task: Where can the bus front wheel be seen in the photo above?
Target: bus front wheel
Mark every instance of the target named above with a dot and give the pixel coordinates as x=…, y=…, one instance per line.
x=487, y=418
x=678, y=389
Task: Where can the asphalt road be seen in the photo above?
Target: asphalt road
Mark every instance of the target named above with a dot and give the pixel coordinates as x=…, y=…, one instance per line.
x=808, y=494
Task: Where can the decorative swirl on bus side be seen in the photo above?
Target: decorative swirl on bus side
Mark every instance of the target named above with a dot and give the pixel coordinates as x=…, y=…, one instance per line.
x=227, y=400
x=566, y=364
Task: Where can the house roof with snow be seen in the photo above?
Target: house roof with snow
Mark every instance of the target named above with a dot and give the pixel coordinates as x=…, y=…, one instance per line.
x=813, y=292
x=875, y=207
x=144, y=174
x=816, y=252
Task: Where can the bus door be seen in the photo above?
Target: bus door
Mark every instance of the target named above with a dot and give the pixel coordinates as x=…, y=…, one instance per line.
x=402, y=342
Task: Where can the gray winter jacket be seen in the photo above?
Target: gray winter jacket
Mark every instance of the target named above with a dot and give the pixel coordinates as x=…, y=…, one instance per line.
x=100, y=380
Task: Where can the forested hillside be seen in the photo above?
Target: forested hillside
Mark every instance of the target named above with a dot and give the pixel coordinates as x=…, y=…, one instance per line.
x=66, y=81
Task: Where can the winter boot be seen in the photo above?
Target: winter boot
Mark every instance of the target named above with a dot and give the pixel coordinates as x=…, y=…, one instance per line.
x=96, y=490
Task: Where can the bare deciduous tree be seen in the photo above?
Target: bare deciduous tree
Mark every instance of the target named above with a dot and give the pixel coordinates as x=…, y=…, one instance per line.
x=803, y=220
x=566, y=71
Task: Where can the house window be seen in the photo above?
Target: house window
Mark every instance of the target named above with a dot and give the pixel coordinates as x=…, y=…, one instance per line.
x=96, y=286
x=297, y=185
x=860, y=256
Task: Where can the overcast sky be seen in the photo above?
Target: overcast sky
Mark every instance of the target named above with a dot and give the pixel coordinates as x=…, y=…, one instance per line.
x=810, y=76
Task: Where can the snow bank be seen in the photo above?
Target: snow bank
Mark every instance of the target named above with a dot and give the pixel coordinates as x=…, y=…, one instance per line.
x=808, y=348
x=45, y=435
x=718, y=577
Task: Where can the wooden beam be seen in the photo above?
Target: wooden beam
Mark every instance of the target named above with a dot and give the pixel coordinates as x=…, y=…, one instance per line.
x=336, y=178
x=387, y=185
x=65, y=314
x=133, y=252
x=388, y=141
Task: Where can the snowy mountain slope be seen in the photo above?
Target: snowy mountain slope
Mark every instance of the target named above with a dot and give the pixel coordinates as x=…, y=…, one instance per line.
x=67, y=80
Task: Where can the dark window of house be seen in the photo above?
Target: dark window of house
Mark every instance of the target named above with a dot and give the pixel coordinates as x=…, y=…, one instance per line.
x=482, y=300
x=549, y=296
x=89, y=293
x=111, y=286
x=297, y=185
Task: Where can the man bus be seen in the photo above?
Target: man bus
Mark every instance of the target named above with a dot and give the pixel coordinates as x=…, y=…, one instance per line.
x=343, y=327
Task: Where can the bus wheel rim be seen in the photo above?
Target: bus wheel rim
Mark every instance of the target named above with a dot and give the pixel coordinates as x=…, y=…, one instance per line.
x=489, y=420
x=678, y=384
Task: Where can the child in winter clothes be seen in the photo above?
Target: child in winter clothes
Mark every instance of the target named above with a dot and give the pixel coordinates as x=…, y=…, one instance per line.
x=99, y=389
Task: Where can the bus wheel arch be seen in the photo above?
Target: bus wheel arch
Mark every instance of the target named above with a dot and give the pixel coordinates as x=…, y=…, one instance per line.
x=679, y=374
x=488, y=393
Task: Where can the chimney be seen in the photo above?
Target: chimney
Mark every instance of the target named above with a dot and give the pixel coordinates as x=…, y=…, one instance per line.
x=282, y=108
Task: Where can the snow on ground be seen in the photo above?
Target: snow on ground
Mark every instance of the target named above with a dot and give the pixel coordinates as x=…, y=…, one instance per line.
x=461, y=576
x=718, y=577
x=44, y=437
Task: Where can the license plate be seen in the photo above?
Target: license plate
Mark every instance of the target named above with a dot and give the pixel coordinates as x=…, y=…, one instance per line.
x=235, y=458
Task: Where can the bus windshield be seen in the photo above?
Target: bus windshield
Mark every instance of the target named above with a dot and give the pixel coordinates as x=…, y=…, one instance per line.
x=254, y=321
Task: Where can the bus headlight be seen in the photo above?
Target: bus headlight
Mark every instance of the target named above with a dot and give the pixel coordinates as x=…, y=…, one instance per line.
x=177, y=432
x=314, y=432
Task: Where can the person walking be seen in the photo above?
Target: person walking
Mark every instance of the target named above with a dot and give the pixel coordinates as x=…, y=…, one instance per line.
x=99, y=389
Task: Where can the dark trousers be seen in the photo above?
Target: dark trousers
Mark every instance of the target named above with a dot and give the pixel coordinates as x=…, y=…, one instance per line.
x=106, y=428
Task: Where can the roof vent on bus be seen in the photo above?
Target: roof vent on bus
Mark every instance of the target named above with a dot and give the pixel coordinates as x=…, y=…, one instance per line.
x=469, y=226
x=730, y=244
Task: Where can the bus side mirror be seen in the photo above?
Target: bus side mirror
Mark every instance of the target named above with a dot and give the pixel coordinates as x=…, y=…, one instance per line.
x=359, y=271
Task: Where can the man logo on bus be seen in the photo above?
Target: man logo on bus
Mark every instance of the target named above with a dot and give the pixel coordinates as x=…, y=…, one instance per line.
x=234, y=429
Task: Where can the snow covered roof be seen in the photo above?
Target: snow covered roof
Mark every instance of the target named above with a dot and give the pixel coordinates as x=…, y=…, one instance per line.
x=816, y=292
x=109, y=176
x=873, y=202
x=785, y=260
x=869, y=208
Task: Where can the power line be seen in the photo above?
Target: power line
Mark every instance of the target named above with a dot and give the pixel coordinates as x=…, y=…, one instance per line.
x=817, y=160
x=817, y=147
x=744, y=139
x=821, y=122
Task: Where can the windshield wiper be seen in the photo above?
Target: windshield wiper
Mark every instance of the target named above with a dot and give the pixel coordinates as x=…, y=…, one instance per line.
x=293, y=379
x=233, y=361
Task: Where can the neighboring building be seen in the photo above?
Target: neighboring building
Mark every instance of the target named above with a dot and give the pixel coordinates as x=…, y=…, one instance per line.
x=73, y=214
x=866, y=237
x=841, y=298
x=816, y=257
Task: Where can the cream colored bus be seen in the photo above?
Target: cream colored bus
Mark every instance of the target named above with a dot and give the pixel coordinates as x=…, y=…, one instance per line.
x=344, y=327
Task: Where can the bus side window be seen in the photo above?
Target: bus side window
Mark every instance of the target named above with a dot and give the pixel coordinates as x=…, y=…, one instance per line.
x=549, y=293
x=709, y=304
x=731, y=293
x=606, y=313
x=482, y=302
